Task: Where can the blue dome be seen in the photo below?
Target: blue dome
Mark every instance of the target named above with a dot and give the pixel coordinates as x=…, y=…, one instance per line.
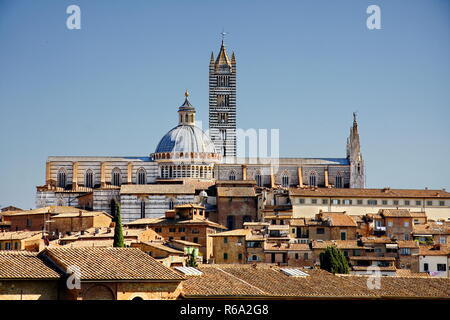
x=185, y=138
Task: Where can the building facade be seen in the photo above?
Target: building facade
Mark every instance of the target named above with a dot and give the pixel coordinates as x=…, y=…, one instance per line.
x=189, y=158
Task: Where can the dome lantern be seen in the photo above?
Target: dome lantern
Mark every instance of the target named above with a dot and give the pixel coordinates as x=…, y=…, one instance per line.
x=186, y=112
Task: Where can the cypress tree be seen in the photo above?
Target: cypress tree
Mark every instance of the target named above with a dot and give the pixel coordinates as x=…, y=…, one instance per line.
x=118, y=232
x=332, y=260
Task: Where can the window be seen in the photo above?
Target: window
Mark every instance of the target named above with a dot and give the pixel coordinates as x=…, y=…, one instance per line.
x=324, y=201
x=442, y=240
x=390, y=224
x=305, y=256
x=405, y=251
x=230, y=222
x=343, y=235
x=418, y=203
x=172, y=230
x=285, y=180
x=181, y=229
x=158, y=229
x=296, y=256
x=395, y=202
x=258, y=179
x=425, y=267
x=141, y=176
x=441, y=267
x=89, y=179
x=225, y=240
x=247, y=218
x=335, y=201
x=170, y=204
x=372, y=202
x=314, y=201
x=232, y=175
x=320, y=230
x=313, y=179
x=223, y=117
x=338, y=182
x=29, y=222
x=429, y=203
x=441, y=203
x=348, y=202
x=142, y=209
x=223, y=134
x=7, y=246
x=62, y=178
x=195, y=240
x=359, y=201
x=384, y=202
x=406, y=202
x=225, y=256
x=195, y=231
x=406, y=224
x=406, y=236
x=240, y=256
x=16, y=246
x=116, y=179
x=301, y=201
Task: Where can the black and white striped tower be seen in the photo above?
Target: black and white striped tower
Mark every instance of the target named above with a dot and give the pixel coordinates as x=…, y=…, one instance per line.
x=222, y=102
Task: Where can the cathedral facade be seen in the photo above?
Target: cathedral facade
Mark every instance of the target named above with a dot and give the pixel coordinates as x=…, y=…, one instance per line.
x=187, y=162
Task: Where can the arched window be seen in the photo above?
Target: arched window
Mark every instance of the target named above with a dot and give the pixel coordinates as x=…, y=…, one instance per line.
x=116, y=177
x=313, y=179
x=285, y=179
x=62, y=178
x=338, y=182
x=89, y=179
x=142, y=176
x=232, y=175
x=258, y=178
x=142, y=209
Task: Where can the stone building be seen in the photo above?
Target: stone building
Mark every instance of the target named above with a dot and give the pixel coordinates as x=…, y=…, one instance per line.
x=222, y=102
x=187, y=156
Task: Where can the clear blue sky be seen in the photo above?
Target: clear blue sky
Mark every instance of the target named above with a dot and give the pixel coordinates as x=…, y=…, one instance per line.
x=113, y=87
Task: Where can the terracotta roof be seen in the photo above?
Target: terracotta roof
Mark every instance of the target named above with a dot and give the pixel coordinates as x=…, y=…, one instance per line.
x=262, y=281
x=437, y=250
x=395, y=213
x=49, y=209
x=233, y=233
x=407, y=244
x=338, y=219
x=431, y=228
x=340, y=244
x=376, y=240
x=24, y=265
x=186, y=243
x=168, y=222
x=190, y=205
x=369, y=258
x=236, y=192
x=19, y=235
x=271, y=246
x=162, y=247
x=418, y=214
x=368, y=193
x=112, y=264
x=365, y=268
x=157, y=189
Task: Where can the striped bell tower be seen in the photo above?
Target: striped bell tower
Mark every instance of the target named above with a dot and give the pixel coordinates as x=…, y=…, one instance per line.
x=222, y=102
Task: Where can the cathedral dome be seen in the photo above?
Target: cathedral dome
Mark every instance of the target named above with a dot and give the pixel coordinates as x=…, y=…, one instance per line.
x=185, y=138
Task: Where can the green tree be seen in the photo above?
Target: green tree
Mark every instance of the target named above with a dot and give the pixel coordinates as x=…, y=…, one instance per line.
x=118, y=232
x=332, y=260
x=192, y=254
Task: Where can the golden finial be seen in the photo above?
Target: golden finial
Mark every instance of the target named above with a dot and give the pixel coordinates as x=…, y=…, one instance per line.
x=186, y=94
